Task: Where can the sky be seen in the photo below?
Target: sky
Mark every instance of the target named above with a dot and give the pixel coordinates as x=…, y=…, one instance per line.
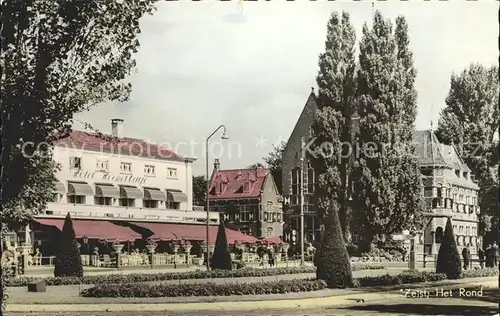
x=251, y=68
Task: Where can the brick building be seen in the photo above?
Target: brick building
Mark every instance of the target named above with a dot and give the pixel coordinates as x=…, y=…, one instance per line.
x=449, y=187
x=249, y=200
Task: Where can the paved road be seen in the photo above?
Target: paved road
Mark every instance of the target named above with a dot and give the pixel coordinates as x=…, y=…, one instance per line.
x=454, y=306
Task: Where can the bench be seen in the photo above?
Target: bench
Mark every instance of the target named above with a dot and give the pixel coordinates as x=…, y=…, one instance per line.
x=37, y=286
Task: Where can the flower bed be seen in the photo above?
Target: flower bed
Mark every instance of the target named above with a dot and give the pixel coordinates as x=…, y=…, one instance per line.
x=261, y=288
x=190, y=275
x=203, y=289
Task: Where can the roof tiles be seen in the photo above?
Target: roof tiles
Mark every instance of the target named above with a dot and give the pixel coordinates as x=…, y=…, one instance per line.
x=237, y=183
x=109, y=144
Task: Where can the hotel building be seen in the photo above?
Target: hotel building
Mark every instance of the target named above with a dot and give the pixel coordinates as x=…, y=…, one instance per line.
x=120, y=189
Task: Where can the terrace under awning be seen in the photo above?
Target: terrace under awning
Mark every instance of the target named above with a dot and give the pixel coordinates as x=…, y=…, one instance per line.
x=94, y=229
x=171, y=231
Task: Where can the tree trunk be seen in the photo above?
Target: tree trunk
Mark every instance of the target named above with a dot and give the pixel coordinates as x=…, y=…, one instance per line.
x=365, y=245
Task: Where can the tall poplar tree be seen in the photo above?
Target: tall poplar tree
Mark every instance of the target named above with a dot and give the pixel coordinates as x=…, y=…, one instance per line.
x=336, y=83
x=388, y=187
x=470, y=121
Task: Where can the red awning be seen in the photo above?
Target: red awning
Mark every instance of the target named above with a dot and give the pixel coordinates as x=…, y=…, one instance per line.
x=93, y=229
x=171, y=231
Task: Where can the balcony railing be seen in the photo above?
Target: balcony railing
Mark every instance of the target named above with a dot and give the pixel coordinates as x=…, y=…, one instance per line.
x=84, y=211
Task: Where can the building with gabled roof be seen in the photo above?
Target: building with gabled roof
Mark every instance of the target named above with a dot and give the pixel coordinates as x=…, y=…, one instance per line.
x=449, y=187
x=449, y=191
x=249, y=200
x=121, y=189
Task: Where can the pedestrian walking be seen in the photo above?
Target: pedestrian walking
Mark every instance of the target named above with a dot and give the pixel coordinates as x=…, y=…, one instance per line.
x=495, y=253
x=480, y=254
x=271, y=257
x=489, y=257
x=466, y=256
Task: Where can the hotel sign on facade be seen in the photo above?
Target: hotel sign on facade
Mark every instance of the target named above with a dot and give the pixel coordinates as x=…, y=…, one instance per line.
x=103, y=176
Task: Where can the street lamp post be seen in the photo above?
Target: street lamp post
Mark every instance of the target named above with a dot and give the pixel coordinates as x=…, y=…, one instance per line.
x=302, y=158
x=224, y=136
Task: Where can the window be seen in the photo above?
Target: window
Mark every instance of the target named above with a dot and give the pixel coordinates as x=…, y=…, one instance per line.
x=466, y=175
x=457, y=173
x=426, y=172
x=295, y=176
x=149, y=170
x=126, y=167
x=75, y=162
x=246, y=186
x=102, y=165
x=76, y=199
x=279, y=217
x=150, y=204
x=269, y=232
x=269, y=206
x=127, y=202
x=173, y=205
x=439, y=192
x=439, y=235
x=102, y=201
x=245, y=215
x=246, y=230
x=172, y=173
x=310, y=177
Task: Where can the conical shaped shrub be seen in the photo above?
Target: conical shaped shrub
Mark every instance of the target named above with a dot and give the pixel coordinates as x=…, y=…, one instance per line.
x=68, y=262
x=332, y=262
x=448, y=260
x=221, y=259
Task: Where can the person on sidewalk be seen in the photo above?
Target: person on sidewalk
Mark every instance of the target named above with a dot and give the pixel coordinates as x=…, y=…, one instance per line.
x=466, y=255
x=480, y=254
x=489, y=256
x=495, y=253
x=270, y=256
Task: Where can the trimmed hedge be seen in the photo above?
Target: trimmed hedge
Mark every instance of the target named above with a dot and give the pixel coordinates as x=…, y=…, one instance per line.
x=403, y=278
x=190, y=275
x=203, y=289
x=479, y=273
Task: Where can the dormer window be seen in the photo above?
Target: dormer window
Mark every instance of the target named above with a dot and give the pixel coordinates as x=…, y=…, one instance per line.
x=246, y=186
x=221, y=187
x=465, y=175
x=457, y=173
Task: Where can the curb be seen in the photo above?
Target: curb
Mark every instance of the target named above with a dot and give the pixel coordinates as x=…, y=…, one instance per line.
x=308, y=303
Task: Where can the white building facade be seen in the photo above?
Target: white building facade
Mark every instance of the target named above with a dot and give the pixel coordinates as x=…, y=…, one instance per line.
x=119, y=189
x=122, y=178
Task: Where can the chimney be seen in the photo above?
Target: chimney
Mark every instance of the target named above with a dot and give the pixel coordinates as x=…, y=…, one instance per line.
x=216, y=164
x=117, y=127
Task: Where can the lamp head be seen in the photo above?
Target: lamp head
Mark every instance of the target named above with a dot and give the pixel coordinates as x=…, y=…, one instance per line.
x=224, y=136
